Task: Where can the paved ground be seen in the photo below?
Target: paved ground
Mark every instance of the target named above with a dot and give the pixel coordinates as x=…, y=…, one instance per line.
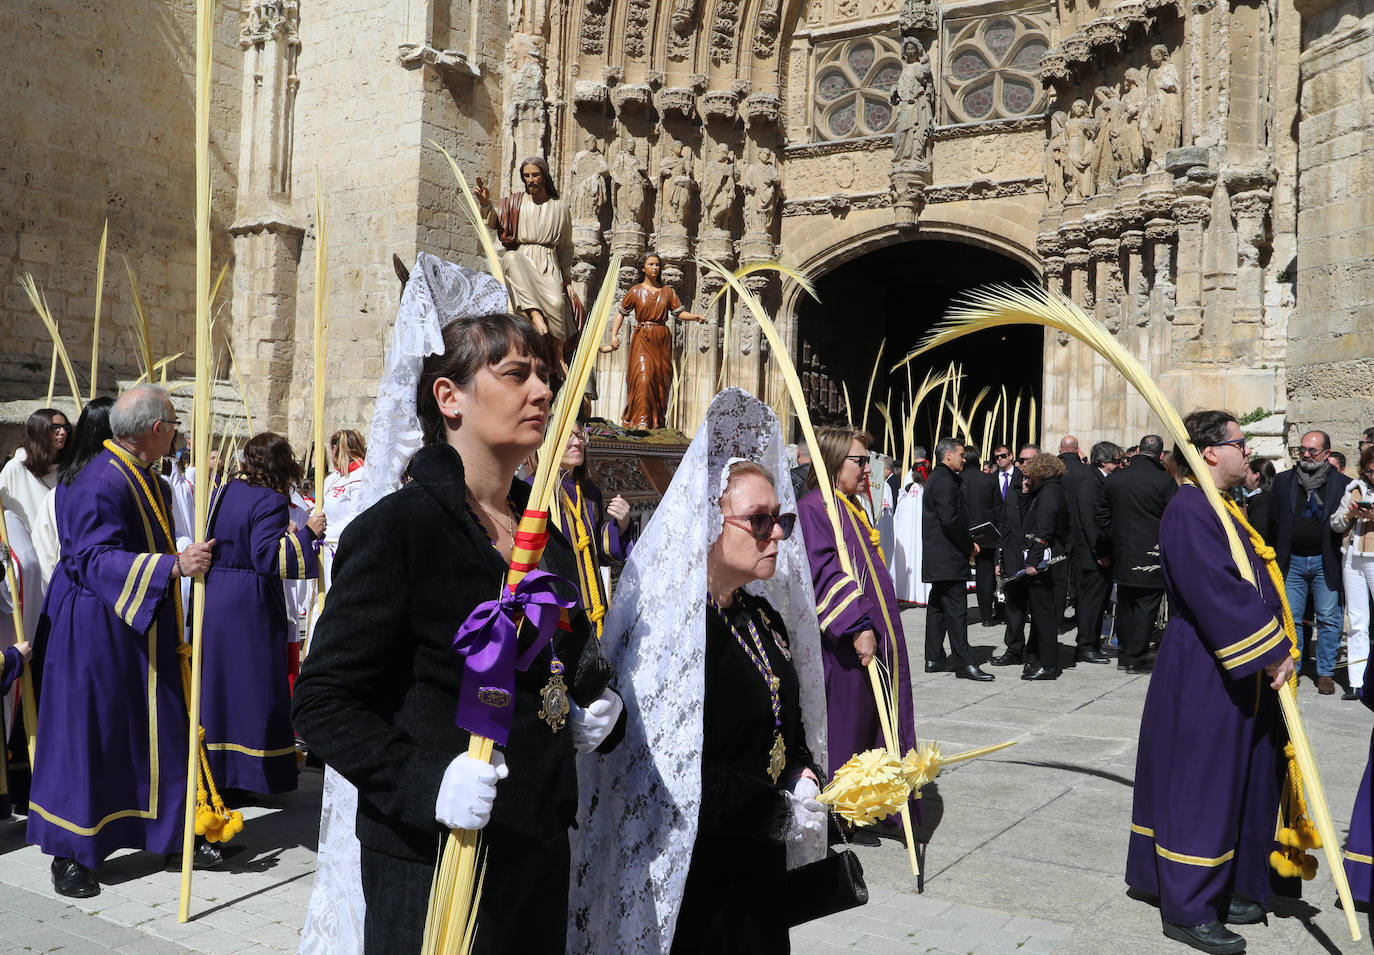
x=1026, y=847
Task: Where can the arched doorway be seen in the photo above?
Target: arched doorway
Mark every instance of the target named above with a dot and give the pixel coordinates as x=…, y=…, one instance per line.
x=900, y=292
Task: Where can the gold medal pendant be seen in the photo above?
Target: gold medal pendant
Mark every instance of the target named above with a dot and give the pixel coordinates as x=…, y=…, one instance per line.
x=777, y=758
x=555, y=699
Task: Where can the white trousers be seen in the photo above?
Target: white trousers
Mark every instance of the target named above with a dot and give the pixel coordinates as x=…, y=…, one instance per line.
x=1358, y=573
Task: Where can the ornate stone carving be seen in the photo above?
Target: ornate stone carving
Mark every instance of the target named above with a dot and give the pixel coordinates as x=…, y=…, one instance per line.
x=721, y=105
x=637, y=16
x=853, y=79
x=918, y=16
x=762, y=109
x=1161, y=230
x=766, y=36
x=1054, y=67
x=1055, y=148
x=631, y=98
x=1130, y=14
x=1108, y=117
x=678, y=185
x=590, y=95
x=630, y=189
x=914, y=97
x=684, y=16
x=1076, y=50
x=447, y=63
x=1163, y=110
x=271, y=19
x=1190, y=210
x=723, y=27
x=908, y=193
x=992, y=66
x=679, y=100
x=1104, y=32
x=588, y=191
x=1080, y=153
x=761, y=194
x=592, y=32
x=718, y=189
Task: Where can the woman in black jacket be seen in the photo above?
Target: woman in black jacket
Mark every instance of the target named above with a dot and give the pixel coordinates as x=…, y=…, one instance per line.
x=1045, y=522
x=378, y=694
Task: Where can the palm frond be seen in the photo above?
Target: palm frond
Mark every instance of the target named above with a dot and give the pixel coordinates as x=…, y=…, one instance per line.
x=476, y=219
x=99, y=295
x=145, y=345
x=774, y=265
x=40, y=305
x=872, y=377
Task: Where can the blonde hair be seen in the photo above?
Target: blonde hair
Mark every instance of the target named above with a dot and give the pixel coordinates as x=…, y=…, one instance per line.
x=834, y=444
x=739, y=469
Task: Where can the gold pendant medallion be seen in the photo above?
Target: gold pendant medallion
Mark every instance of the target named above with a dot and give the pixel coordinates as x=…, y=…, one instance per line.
x=777, y=758
x=555, y=700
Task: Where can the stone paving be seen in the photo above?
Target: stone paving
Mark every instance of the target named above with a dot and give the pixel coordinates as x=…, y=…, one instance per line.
x=1025, y=851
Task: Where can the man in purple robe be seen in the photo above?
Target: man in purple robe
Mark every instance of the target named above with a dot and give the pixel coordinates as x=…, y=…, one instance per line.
x=1209, y=768
x=858, y=612
x=110, y=768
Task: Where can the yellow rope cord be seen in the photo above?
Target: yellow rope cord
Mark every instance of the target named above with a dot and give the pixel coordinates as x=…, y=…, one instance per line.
x=1299, y=833
x=214, y=821
x=586, y=556
x=861, y=515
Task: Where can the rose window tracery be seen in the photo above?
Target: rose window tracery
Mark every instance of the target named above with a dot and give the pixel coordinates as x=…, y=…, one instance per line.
x=854, y=83
x=992, y=68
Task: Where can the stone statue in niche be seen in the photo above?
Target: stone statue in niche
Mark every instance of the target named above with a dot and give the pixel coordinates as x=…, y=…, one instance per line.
x=630, y=187
x=678, y=184
x=1054, y=158
x=718, y=189
x=1080, y=153
x=914, y=97
x=1109, y=133
x=684, y=14
x=1132, y=155
x=761, y=194
x=1164, y=112
x=589, y=190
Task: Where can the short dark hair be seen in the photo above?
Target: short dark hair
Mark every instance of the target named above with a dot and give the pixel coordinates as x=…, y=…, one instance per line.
x=1266, y=471
x=1152, y=445
x=1339, y=458
x=944, y=446
x=470, y=344
x=1104, y=452
x=1205, y=428
x=268, y=461
x=1368, y=434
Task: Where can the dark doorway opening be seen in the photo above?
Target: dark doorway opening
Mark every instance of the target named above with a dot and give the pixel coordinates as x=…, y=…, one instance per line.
x=901, y=292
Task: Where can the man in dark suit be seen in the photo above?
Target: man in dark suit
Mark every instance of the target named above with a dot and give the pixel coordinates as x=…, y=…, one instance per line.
x=1075, y=471
x=1133, y=500
x=1011, y=554
x=1092, y=553
x=946, y=548
x=979, y=491
x=1309, y=551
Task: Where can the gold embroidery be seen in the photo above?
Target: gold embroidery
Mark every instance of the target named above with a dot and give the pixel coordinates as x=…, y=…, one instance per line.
x=260, y=753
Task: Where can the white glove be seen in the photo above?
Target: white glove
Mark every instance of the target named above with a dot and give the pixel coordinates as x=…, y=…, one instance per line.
x=808, y=814
x=592, y=725
x=468, y=790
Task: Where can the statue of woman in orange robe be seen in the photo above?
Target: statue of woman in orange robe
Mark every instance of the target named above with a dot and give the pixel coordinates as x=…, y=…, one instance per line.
x=650, y=373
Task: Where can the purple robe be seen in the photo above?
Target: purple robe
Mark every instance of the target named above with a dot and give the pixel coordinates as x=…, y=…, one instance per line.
x=846, y=605
x=1359, y=846
x=245, y=696
x=596, y=540
x=110, y=769
x=1209, y=768
x=11, y=665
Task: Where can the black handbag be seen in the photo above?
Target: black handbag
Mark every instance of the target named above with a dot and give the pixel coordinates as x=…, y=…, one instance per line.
x=834, y=884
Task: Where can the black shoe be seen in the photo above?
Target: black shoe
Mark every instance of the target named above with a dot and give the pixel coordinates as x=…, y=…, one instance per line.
x=1090, y=655
x=863, y=836
x=1350, y=695
x=72, y=879
x=1133, y=667
x=971, y=672
x=1008, y=658
x=1040, y=673
x=1244, y=912
x=1212, y=937
x=206, y=855
x=937, y=666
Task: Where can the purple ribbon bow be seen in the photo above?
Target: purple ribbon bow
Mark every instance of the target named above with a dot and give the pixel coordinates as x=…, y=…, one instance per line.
x=488, y=641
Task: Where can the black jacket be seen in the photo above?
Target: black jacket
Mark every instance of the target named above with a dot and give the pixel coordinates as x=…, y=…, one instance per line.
x=1007, y=517
x=1258, y=507
x=1286, y=503
x=1074, y=473
x=377, y=695
x=1045, y=523
x=980, y=492
x=1133, y=500
x=1090, y=540
x=946, y=544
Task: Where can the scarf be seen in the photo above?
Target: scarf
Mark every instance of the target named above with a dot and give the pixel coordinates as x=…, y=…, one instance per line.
x=1314, y=479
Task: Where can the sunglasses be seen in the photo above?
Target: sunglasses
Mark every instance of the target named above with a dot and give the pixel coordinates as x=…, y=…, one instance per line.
x=1303, y=452
x=761, y=525
x=860, y=459
x=1023, y=460
x=54, y=426
x=1002, y=454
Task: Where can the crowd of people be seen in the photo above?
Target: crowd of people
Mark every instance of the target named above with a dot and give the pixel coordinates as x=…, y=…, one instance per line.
x=659, y=746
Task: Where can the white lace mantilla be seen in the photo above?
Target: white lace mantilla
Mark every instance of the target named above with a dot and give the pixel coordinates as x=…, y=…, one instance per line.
x=637, y=822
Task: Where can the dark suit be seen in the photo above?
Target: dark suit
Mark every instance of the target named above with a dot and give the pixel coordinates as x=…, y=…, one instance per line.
x=1133, y=500
x=1257, y=511
x=1075, y=471
x=946, y=547
x=980, y=494
x=1007, y=517
x=1045, y=527
x=1092, y=581
x=1285, y=505
x=1326, y=587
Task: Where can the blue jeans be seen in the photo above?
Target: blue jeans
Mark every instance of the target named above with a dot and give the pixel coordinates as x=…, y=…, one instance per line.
x=1305, y=575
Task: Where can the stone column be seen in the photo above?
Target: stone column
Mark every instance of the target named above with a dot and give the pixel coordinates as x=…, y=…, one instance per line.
x=1161, y=236
x=1252, y=240
x=1191, y=213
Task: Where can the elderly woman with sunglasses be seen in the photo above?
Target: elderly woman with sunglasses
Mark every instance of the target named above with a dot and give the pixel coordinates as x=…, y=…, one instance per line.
x=859, y=616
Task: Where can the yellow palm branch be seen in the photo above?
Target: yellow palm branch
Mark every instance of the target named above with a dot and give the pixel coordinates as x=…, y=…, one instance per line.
x=40, y=305
x=99, y=294
x=476, y=219
x=872, y=377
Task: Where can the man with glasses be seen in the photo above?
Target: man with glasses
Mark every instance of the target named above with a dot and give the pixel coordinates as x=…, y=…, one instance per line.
x=1309, y=551
x=1007, y=515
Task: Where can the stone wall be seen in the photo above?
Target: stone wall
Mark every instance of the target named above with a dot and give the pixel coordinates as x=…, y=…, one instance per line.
x=100, y=125
x=1331, y=335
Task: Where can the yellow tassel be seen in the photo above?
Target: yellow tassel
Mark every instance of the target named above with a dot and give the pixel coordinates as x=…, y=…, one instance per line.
x=1309, y=868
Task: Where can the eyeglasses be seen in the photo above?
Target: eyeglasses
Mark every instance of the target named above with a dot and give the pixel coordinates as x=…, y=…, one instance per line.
x=761, y=525
x=1240, y=443
x=172, y=421
x=1023, y=460
x=1002, y=454
x=1306, y=452
x=860, y=459
x=54, y=426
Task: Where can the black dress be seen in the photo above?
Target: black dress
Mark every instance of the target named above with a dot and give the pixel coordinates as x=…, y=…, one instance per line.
x=377, y=696
x=1046, y=528
x=735, y=899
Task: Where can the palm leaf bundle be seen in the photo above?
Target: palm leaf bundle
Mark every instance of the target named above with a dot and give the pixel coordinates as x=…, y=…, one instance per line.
x=872, y=377
x=99, y=294
x=1000, y=306
x=40, y=305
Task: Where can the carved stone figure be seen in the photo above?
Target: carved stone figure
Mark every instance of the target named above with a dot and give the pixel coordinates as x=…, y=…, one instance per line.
x=1107, y=169
x=914, y=97
x=1080, y=154
x=589, y=189
x=1054, y=158
x=684, y=15
x=1164, y=112
x=631, y=187
x=918, y=15
x=1132, y=145
x=718, y=189
x=761, y=194
x=677, y=175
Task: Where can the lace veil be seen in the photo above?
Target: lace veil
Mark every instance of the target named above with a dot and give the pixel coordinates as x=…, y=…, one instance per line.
x=638, y=814
x=437, y=294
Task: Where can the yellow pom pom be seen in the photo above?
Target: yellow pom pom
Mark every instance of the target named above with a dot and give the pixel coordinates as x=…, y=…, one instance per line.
x=1282, y=865
x=1308, y=836
x=1309, y=868
x=212, y=835
x=1289, y=837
